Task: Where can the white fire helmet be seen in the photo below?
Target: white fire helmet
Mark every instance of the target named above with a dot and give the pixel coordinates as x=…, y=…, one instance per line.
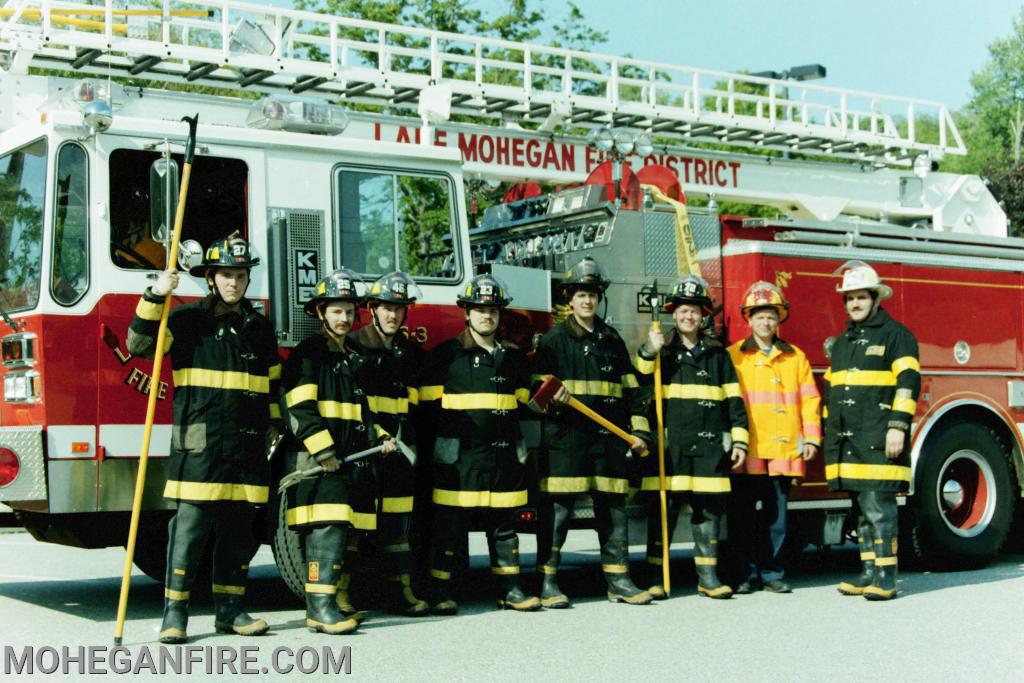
x=858, y=275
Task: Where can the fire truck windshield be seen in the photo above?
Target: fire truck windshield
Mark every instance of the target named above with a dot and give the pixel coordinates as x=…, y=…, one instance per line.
x=216, y=205
x=22, y=190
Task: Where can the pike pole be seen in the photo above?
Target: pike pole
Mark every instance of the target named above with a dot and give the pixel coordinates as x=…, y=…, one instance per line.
x=158, y=359
x=659, y=412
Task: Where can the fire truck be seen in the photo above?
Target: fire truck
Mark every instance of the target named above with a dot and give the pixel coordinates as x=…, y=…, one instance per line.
x=331, y=141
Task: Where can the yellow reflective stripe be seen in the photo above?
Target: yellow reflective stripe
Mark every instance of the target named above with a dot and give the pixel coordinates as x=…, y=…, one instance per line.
x=629, y=381
x=643, y=366
x=228, y=590
x=695, y=391
x=864, y=378
x=388, y=405
x=477, y=499
x=147, y=310
x=868, y=556
x=397, y=504
x=639, y=424
x=331, y=512
x=905, y=405
x=504, y=571
x=440, y=574
x=320, y=588
x=319, y=441
x=274, y=372
x=175, y=595
x=197, y=490
x=340, y=411
x=381, y=432
x=539, y=378
x=414, y=396
x=905, y=363
x=431, y=393
x=853, y=470
x=587, y=387
x=219, y=379
x=732, y=390
x=584, y=484
x=739, y=434
x=685, y=482
x=523, y=395
x=478, y=402
x=828, y=375
x=705, y=561
x=614, y=568
x=303, y=392
x=275, y=411
x=654, y=560
x=885, y=561
x=398, y=548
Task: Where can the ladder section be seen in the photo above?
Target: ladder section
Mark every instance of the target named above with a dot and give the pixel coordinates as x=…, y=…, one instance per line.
x=236, y=45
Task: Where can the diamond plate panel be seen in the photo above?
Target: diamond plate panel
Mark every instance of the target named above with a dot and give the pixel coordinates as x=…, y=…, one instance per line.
x=305, y=230
x=27, y=444
x=660, y=244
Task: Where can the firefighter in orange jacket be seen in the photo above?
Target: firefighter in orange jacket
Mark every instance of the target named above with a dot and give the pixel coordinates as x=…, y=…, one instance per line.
x=706, y=425
x=474, y=387
x=871, y=390
x=330, y=418
x=785, y=432
x=225, y=367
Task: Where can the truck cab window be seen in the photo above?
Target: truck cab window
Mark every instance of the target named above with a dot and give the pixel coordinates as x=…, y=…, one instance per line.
x=22, y=192
x=70, y=276
x=217, y=205
x=389, y=221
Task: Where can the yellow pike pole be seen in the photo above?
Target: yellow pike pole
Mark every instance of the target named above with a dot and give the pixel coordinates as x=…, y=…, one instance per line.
x=158, y=359
x=660, y=415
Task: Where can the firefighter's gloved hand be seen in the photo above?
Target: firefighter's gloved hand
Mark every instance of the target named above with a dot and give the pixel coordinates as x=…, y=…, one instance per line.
x=655, y=340
x=388, y=446
x=328, y=460
x=166, y=282
x=894, y=439
x=738, y=457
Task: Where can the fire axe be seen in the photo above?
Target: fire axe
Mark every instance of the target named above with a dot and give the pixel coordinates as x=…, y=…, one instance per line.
x=542, y=399
x=298, y=475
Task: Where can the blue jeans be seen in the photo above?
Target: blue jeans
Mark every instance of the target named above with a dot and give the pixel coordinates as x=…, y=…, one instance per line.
x=758, y=535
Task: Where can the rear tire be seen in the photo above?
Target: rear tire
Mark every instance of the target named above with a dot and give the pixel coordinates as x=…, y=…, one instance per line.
x=963, y=501
x=289, y=553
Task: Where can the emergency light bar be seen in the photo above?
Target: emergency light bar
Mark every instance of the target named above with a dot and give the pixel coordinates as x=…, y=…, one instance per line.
x=297, y=116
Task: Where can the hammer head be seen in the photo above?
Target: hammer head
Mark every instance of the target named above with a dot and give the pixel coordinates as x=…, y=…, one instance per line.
x=541, y=399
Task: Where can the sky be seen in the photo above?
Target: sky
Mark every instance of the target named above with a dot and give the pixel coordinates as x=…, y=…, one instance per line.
x=909, y=48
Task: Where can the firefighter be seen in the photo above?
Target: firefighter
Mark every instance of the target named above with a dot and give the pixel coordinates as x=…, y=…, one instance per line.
x=785, y=433
x=578, y=456
x=871, y=390
x=225, y=369
x=706, y=425
x=330, y=418
x=474, y=385
x=388, y=377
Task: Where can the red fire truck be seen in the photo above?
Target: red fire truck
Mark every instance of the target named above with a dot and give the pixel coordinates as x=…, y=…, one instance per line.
x=88, y=174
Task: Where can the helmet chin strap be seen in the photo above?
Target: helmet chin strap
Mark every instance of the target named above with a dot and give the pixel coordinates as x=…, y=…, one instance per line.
x=376, y=322
x=211, y=282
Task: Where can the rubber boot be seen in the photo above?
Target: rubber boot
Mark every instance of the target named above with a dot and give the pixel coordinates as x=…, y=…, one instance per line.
x=324, y=550
x=230, y=618
x=867, y=561
x=655, y=575
x=403, y=600
x=505, y=565
x=884, y=585
x=553, y=528
x=187, y=533
x=612, y=531
x=175, y=622
x=705, y=557
x=343, y=598
x=445, y=530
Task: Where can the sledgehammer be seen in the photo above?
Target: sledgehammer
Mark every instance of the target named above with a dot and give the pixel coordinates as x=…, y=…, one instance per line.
x=542, y=399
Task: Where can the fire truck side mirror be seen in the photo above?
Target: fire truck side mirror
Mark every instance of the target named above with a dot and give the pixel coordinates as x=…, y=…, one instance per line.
x=190, y=255
x=163, y=197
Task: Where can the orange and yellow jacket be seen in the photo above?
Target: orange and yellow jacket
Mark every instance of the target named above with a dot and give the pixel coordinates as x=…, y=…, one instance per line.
x=783, y=404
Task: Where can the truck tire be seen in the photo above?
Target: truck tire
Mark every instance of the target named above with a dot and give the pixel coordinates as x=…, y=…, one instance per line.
x=963, y=501
x=289, y=553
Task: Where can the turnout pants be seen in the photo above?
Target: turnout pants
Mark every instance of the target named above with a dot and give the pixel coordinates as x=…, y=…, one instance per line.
x=230, y=522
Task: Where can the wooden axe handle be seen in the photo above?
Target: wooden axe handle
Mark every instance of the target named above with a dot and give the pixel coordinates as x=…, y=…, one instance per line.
x=610, y=426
